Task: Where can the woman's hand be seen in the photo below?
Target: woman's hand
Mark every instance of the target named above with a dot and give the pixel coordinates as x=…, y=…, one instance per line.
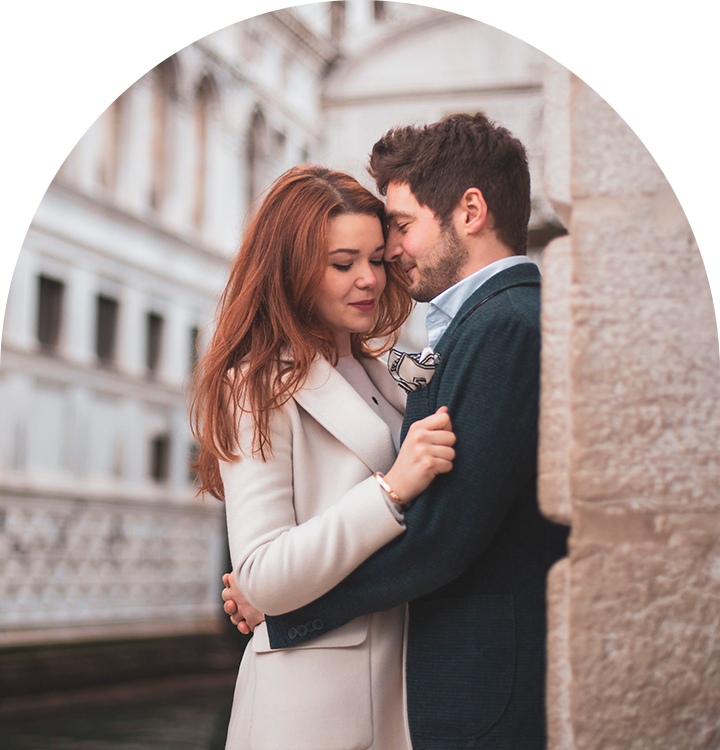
x=426, y=452
x=242, y=614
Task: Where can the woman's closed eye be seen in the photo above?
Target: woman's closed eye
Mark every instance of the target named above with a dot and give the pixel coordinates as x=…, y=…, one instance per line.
x=347, y=266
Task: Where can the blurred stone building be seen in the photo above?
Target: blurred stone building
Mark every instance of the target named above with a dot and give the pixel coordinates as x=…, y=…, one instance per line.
x=122, y=266
x=101, y=535
x=629, y=444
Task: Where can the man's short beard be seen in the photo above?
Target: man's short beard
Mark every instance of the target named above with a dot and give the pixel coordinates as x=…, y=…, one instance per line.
x=449, y=258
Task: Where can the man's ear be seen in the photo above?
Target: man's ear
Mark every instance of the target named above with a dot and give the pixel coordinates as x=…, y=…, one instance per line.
x=473, y=211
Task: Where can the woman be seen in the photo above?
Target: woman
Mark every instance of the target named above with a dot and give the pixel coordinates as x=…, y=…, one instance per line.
x=297, y=420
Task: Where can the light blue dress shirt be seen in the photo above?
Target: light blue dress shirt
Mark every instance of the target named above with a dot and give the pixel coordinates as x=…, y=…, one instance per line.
x=447, y=304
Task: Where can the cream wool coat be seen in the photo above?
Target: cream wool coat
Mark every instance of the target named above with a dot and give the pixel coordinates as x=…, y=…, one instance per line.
x=297, y=525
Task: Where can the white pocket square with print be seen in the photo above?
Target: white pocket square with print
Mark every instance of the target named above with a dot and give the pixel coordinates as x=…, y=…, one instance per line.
x=412, y=371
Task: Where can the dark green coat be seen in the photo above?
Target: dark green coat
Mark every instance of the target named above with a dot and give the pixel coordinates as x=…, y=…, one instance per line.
x=474, y=559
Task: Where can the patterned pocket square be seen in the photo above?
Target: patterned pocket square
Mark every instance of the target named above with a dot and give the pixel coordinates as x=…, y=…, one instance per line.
x=413, y=371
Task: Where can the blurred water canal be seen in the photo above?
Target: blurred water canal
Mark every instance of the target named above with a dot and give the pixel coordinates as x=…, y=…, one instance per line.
x=181, y=723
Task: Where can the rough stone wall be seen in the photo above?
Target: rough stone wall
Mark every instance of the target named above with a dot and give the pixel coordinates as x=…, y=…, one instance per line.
x=630, y=445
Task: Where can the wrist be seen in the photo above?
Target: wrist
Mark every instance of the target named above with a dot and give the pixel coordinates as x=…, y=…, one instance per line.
x=387, y=488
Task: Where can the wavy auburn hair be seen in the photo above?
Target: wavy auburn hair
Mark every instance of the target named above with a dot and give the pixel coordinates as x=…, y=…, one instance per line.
x=267, y=317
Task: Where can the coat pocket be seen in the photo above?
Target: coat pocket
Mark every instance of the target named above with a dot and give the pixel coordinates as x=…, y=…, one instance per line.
x=460, y=664
x=314, y=696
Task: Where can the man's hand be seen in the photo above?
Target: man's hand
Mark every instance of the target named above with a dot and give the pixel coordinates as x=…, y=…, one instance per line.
x=242, y=614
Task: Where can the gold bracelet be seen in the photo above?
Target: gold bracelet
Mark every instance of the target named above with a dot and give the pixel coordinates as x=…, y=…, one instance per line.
x=391, y=493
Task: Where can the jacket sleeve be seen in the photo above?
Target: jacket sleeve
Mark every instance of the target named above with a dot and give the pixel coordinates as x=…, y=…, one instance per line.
x=278, y=564
x=490, y=383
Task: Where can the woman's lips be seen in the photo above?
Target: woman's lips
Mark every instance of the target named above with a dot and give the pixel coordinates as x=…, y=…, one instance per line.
x=365, y=305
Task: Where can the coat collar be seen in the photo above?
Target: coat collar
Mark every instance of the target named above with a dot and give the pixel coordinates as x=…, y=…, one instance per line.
x=525, y=273
x=377, y=371
x=335, y=404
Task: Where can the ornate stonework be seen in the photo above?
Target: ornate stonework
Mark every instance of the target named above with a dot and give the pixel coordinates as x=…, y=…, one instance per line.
x=70, y=563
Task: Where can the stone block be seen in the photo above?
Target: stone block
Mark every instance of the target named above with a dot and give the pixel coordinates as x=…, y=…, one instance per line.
x=644, y=639
x=559, y=674
x=556, y=138
x=555, y=425
x=608, y=158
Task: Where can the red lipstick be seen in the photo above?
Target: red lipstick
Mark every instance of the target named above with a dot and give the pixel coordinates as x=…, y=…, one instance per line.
x=365, y=305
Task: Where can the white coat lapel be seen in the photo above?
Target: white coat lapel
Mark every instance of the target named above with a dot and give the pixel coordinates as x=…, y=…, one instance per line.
x=377, y=371
x=335, y=404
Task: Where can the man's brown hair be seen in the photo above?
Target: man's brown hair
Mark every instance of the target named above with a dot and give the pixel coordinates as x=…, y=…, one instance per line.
x=439, y=162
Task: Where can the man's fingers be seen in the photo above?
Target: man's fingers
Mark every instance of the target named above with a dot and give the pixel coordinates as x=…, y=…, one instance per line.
x=230, y=608
x=243, y=627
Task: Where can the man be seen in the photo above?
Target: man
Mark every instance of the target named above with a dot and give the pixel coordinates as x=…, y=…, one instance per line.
x=473, y=561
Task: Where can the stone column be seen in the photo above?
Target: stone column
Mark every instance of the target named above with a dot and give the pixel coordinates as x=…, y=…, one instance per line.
x=630, y=446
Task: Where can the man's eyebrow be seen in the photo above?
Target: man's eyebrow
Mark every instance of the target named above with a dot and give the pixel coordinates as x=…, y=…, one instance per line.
x=390, y=215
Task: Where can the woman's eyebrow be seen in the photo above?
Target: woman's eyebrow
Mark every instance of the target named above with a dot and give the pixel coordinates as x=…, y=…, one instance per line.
x=378, y=249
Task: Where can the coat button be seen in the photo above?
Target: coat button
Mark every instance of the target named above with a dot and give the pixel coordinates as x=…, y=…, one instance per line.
x=292, y=633
x=318, y=624
x=310, y=627
x=301, y=630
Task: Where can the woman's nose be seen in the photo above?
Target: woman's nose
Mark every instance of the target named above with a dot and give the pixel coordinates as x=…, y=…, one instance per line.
x=367, y=280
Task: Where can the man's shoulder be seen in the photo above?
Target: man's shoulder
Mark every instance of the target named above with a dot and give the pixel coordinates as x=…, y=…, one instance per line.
x=514, y=291
x=506, y=313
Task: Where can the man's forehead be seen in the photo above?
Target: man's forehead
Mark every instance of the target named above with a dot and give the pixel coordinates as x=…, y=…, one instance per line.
x=399, y=200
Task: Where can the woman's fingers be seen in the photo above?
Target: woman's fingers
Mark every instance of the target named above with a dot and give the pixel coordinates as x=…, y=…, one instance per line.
x=440, y=437
x=438, y=422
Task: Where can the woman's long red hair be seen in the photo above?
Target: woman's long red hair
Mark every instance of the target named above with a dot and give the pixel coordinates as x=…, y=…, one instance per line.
x=267, y=318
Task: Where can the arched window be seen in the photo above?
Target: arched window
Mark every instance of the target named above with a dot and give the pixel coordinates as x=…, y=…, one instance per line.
x=113, y=118
x=205, y=110
x=257, y=155
x=337, y=19
x=163, y=134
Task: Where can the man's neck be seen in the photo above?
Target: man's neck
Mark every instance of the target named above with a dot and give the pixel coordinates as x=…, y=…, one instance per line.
x=482, y=251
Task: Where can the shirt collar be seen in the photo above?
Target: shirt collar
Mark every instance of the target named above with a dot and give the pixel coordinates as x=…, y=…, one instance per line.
x=447, y=304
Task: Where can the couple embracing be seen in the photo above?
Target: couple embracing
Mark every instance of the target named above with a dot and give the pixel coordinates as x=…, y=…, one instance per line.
x=386, y=541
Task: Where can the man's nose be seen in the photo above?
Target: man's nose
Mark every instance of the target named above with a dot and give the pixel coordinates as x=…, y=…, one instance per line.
x=393, y=250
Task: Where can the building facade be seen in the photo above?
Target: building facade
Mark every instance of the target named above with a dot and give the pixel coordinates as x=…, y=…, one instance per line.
x=115, y=288
x=102, y=535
